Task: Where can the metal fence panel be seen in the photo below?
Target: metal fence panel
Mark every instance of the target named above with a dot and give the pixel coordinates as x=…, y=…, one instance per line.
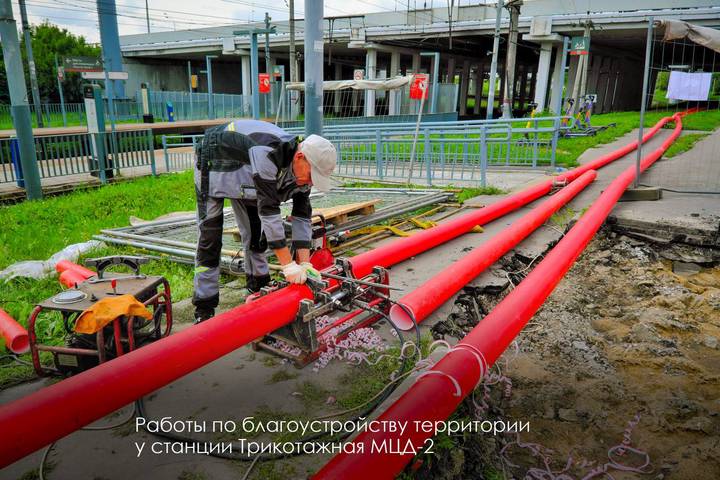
x=74, y=154
x=443, y=151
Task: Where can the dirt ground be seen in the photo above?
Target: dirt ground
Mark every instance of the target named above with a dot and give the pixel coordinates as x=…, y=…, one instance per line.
x=630, y=335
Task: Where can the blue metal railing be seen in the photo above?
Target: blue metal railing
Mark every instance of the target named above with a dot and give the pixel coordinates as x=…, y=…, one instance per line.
x=77, y=154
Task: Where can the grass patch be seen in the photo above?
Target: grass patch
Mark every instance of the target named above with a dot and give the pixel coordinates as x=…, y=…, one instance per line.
x=363, y=382
x=311, y=393
x=282, y=376
x=468, y=193
x=35, y=230
x=683, y=144
x=563, y=216
x=569, y=149
x=190, y=475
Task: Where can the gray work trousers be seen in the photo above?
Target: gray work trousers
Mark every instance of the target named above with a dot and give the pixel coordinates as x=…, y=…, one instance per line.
x=207, y=258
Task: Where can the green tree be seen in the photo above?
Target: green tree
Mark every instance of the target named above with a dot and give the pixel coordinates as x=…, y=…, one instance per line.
x=48, y=40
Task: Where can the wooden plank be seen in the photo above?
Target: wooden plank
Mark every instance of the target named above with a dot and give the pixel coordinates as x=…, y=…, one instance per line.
x=342, y=212
x=338, y=214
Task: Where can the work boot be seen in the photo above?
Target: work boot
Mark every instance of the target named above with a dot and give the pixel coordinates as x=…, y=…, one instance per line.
x=202, y=314
x=255, y=283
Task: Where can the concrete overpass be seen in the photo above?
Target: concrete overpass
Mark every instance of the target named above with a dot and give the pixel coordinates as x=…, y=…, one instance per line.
x=389, y=43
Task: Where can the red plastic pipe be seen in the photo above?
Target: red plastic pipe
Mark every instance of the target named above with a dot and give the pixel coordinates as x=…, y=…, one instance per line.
x=407, y=247
x=429, y=296
x=435, y=395
x=64, y=265
x=47, y=415
x=16, y=337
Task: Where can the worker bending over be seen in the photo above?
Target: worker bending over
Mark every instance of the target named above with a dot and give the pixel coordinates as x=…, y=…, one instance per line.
x=257, y=166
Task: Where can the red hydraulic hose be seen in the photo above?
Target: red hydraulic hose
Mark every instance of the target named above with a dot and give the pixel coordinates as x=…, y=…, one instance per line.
x=437, y=393
x=71, y=277
x=425, y=299
x=49, y=414
x=16, y=337
x=407, y=247
x=64, y=265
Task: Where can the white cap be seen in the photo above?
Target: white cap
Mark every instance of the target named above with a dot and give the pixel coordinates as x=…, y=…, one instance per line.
x=322, y=157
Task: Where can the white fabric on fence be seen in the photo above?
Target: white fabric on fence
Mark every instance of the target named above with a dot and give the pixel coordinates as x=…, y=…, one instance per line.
x=689, y=86
x=331, y=85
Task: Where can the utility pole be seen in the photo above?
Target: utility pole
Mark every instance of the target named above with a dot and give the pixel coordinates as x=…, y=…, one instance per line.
x=110, y=43
x=267, y=43
x=211, y=99
x=493, y=64
x=294, y=77
x=60, y=91
x=314, y=65
x=586, y=63
x=293, y=54
x=509, y=94
x=267, y=99
x=31, y=64
x=147, y=15
x=19, y=102
x=646, y=74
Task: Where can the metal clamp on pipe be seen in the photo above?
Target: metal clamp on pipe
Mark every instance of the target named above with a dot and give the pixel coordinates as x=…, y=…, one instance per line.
x=301, y=341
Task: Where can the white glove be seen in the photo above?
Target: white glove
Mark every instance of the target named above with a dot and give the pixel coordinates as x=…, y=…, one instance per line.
x=310, y=271
x=294, y=273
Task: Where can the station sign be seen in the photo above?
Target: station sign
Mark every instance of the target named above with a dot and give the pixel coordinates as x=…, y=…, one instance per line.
x=264, y=82
x=579, y=45
x=101, y=75
x=82, y=64
x=419, y=87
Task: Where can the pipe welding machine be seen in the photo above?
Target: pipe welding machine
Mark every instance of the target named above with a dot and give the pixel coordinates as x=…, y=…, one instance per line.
x=364, y=301
x=123, y=334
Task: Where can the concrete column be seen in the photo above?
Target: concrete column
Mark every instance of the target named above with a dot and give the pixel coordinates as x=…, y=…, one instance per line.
x=394, y=64
x=245, y=75
x=557, y=87
x=415, y=63
x=450, y=70
x=522, y=88
x=464, y=84
x=370, y=70
x=394, y=103
x=478, y=88
x=543, y=75
x=337, y=97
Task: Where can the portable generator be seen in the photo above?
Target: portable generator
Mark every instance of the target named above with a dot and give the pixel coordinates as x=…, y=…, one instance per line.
x=121, y=335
